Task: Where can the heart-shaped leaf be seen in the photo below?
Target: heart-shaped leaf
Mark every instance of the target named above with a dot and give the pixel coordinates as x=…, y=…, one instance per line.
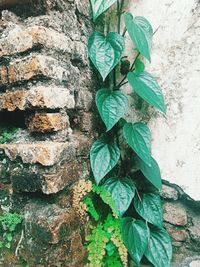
x=149, y=208
x=138, y=136
x=99, y=6
x=122, y=192
x=151, y=172
x=111, y=105
x=139, y=66
x=141, y=33
x=105, y=52
x=103, y=157
x=159, y=251
x=135, y=235
x=147, y=88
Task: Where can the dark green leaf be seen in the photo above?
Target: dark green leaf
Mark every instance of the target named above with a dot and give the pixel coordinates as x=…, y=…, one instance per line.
x=138, y=136
x=141, y=32
x=103, y=157
x=147, y=88
x=99, y=6
x=105, y=52
x=111, y=105
x=122, y=192
x=151, y=172
x=139, y=66
x=149, y=208
x=135, y=234
x=159, y=251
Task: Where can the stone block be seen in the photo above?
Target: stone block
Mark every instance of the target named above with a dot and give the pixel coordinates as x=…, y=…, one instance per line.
x=45, y=153
x=169, y=192
x=47, y=122
x=175, y=214
x=49, y=223
x=20, y=39
x=30, y=67
x=40, y=97
x=178, y=235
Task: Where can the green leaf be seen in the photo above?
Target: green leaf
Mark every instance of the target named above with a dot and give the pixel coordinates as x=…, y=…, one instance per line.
x=8, y=245
x=147, y=88
x=159, y=251
x=99, y=6
x=103, y=157
x=138, y=136
x=151, y=172
x=135, y=235
x=141, y=33
x=149, y=208
x=122, y=192
x=111, y=106
x=9, y=237
x=105, y=52
x=139, y=66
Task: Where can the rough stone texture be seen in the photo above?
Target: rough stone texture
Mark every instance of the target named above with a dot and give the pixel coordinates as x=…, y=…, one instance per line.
x=47, y=122
x=175, y=63
x=45, y=77
x=38, y=97
x=46, y=153
x=175, y=214
x=30, y=67
x=168, y=192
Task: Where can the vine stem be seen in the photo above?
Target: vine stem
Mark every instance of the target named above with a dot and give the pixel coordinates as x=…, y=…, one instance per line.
x=19, y=243
x=119, y=14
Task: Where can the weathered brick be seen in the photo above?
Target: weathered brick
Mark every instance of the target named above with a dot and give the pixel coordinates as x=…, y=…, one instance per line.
x=175, y=214
x=47, y=122
x=30, y=67
x=39, y=97
x=48, y=223
x=16, y=41
x=20, y=39
x=46, y=153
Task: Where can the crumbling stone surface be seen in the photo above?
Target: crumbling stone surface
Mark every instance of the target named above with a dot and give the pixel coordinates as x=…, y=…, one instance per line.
x=175, y=214
x=47, y=122
x=45, y=153
x=37, y=97
x=45, y=73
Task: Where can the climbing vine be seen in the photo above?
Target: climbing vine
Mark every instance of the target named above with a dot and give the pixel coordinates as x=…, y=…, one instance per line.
x=130, y=216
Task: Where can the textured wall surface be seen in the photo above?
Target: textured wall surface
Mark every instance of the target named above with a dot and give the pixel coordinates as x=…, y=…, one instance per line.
x=45, y=91
x=176, y=64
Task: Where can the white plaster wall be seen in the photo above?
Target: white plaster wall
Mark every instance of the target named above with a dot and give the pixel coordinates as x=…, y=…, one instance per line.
x=176, y=64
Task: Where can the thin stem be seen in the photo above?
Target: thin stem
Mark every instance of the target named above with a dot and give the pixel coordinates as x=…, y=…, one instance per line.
x=124, y=32
x=119, y=14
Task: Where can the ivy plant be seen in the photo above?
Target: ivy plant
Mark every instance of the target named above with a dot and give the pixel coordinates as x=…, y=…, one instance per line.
x=8, y=223
x=138, y=212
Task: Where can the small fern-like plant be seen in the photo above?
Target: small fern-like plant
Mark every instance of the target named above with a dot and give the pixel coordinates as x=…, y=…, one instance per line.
x=135, y=220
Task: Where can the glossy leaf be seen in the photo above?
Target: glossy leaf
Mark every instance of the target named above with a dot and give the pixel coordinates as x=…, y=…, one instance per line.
x=147, y=88
x=111, y=106
x=149, y=208
x=122, y=192
x=105, y=52
x=103, y=157
x=151, y=172
x=135, y=235
x=140, y=32
x=99, y=6
x=139, y=66
x=138, y=136
x=159, y=251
